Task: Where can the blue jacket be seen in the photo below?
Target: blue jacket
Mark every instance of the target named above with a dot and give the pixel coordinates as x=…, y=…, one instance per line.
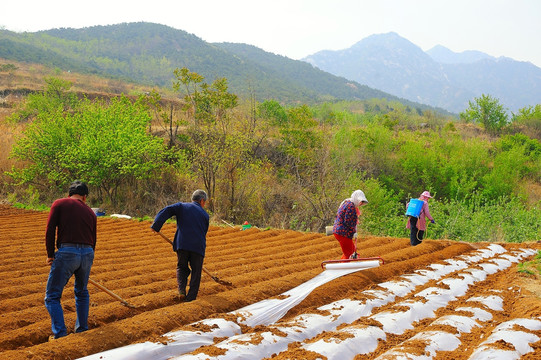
x=192, y=226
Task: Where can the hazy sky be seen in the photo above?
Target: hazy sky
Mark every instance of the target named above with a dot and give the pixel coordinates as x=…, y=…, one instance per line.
x=297, y=28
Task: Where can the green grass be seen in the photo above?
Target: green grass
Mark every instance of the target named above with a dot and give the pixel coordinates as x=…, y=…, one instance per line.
x=532, y=267
x=19, y=205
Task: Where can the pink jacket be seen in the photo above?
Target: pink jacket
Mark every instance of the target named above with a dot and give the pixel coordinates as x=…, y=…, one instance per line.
x=425, y=213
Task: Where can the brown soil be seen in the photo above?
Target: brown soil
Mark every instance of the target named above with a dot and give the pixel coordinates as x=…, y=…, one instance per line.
x=139, y=266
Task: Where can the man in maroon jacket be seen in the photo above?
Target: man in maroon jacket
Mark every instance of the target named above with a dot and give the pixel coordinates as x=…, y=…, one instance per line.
x=74, y=223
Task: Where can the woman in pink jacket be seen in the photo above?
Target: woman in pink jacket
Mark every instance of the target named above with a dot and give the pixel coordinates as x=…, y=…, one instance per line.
x=417, y=226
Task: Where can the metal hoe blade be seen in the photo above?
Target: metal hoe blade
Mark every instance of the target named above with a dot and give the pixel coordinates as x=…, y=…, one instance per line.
x=215, y=278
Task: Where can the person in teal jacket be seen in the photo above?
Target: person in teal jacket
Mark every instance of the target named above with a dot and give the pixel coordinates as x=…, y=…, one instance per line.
x=417, y=226
x=190, y=240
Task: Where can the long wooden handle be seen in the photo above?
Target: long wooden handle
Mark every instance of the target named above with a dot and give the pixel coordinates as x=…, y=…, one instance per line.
x=165, y=237
x=208, y=273
x=101, y=287
x=215, y=278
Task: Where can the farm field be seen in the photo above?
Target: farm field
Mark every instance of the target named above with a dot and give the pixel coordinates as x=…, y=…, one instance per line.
x=441, y=299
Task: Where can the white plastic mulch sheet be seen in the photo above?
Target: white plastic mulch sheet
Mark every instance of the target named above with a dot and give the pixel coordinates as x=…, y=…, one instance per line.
x=262, y=313
x=269, y=311
x=362, y=339
x=505, y=331
x=400, y=320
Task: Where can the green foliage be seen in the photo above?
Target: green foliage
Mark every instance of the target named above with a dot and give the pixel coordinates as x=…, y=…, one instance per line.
x=503, y=219
x=487, y=111
x=8, y=68
x=104, y=144
x=532, y=267
x=283, y=166
x=528, y=113
x=30, y=197
x=447, y=165
x=220, y=151
x=382, y=215
x=531, y=147
x=56, y=99
x=272, y=110
x=528, y=122
x=298, y=133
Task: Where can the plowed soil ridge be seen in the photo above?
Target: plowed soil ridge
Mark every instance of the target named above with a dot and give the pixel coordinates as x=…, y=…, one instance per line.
x=138, y=265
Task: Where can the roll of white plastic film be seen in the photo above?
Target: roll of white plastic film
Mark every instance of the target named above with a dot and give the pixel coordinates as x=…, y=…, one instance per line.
x=367, y=264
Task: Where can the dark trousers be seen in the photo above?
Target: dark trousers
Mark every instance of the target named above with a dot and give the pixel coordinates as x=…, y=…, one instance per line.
x=195, y=262
x=416, y=235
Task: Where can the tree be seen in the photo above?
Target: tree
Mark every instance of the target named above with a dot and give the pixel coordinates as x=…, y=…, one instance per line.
x=169, y=124
x=107, y=145
x=528, y=120
x=272, y=110
x=486, y=111
x=55, y=99
x=212, y=138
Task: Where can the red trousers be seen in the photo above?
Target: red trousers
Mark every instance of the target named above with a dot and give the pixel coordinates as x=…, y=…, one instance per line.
x=347, y=245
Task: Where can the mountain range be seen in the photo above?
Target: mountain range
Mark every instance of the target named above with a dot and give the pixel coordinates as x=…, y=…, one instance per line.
x=439, y=76
x=148, y=53
x=379, y=66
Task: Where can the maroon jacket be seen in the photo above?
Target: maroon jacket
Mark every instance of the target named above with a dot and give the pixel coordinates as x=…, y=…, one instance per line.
x=75, y=221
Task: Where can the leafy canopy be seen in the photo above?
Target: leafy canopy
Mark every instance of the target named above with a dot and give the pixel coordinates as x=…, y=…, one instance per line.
x=104, y=144
x=487, y=111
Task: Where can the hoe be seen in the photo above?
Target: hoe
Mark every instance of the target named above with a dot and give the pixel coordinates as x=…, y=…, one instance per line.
x=215, y=278
x=112, y=294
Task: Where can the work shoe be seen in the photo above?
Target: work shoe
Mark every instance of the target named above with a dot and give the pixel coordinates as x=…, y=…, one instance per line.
x=181, y=295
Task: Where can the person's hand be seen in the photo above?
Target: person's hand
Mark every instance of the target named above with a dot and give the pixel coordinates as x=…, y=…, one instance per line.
x=433, y=221
x=50, y=261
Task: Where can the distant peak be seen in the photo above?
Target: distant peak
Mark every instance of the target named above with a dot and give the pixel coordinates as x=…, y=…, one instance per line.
x=386, y=39
x=443, y=55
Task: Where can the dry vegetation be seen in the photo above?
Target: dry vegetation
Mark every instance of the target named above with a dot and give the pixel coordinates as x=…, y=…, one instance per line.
x=31, y=77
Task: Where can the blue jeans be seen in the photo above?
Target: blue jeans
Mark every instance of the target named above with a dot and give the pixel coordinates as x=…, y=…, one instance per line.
x=69, y=260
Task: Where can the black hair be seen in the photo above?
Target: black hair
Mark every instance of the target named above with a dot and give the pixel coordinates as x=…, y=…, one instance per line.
x=78, y=187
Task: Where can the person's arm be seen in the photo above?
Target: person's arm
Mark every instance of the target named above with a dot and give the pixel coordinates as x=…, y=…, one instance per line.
x=95, y=234
x=50, y=233
x=162, y=216
x=427, y=211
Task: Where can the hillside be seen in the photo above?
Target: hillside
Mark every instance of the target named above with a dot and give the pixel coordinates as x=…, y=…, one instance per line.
x=148, y=53
x=437, y=77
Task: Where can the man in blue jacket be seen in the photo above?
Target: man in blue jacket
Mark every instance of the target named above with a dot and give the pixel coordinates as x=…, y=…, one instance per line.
x=190, y=240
